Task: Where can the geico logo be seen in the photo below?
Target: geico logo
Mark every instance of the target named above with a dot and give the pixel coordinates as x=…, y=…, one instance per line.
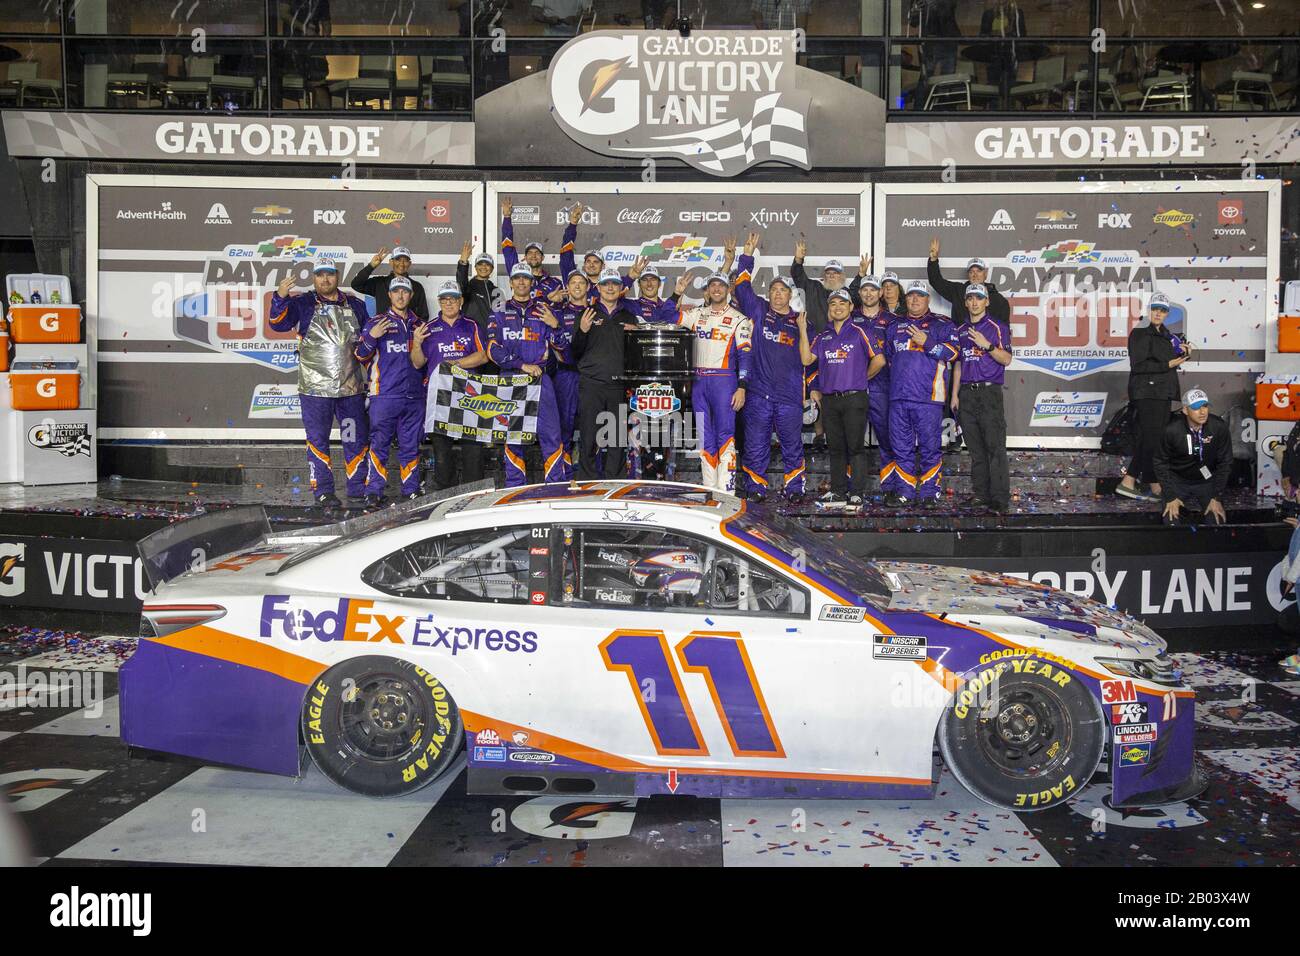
x=50, y=321
x=1115, y=220
x=457, y=639
x=47, y=387
x=331, y=217
x=704, y=215
x=348, y=621
x=1281, y=398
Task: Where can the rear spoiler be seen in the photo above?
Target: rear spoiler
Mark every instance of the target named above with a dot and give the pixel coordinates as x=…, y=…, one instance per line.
x=171, y=551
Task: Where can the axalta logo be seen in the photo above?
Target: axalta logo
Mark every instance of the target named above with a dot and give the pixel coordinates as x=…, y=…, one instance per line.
x=1002, y=222
x=348, y=620
x=385, y=216
x=1173, y=218
x=486, y=406
x=217, y=216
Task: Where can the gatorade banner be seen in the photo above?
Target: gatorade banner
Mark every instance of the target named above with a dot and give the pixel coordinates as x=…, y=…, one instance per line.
x=181, y=273
x=1078, y=263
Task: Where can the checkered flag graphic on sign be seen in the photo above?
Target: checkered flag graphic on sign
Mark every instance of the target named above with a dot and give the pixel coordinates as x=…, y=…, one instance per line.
x=486, y=408
x=777, y=131
x=81, y=446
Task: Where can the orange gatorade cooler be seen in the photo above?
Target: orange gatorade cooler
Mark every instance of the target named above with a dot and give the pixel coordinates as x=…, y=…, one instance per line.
x=4, y=344
x=1276, y=401
x=1288, y=333
x=45, y=323
x=40, y=386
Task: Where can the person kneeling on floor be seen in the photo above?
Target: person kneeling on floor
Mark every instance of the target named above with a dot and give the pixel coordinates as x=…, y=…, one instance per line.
x=1193, y=460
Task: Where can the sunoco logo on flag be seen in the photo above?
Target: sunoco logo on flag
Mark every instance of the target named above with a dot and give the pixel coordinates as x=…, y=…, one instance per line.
x=721, y=102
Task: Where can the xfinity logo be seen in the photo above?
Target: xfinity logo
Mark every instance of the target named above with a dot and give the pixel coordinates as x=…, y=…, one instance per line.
x=217, y=216
x=701, y=215
x=330, y=217
x=765, y=217
x=1115, y=220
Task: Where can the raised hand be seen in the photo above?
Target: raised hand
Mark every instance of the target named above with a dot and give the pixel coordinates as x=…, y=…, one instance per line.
x=729, y=245
x=864, y=266
x=378, y=257
x=381, y=327
x=575, y=214
x=638, y=267
x=800, y=250
x=918, y=335
x=588, y=317
x=557, y=295
x=934, y=248
x=680, y=287
x=506, y=207
x=421, y=333
x=466, y=248
x=285, y=285
x=751, y=243
x=549, y=317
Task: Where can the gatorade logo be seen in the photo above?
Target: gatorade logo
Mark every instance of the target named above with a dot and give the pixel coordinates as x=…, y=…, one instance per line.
x=1281, y=398
x=50, y=322
x=47, y=387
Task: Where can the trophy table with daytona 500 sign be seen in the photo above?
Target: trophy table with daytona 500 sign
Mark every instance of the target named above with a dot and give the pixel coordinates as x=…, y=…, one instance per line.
x=657, y=374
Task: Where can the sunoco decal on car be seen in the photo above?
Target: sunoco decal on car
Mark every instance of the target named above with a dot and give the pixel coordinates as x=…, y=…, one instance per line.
x=837, y=612
x=898, y=647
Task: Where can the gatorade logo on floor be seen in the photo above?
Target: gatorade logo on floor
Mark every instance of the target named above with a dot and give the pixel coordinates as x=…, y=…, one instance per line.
x=559, y=818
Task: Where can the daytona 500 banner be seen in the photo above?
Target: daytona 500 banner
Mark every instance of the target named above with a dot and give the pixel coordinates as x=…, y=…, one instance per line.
x=1078, y=263
x=486, y=408
x=181, y=272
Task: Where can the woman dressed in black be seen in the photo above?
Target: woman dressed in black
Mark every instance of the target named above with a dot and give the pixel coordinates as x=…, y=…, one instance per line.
x=1154, y=355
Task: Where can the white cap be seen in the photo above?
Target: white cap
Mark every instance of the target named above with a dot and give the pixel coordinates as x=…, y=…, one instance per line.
x=449, y=288
x=889, y=277
x=916, y=285
x=650, y=272
x=1159, y=301
x=521, y=270
x=977, y=288
x=399, y=251
x=593, y=253
x=533, y=245
x=609, y=275
x=841, y=294
x=873, y=281
x=977, y=261
x=833, y=265
x=324, y=264
x=485, y=257
x=718, y=277
x=784, y=280
x=399, y=282
x=1195, y=398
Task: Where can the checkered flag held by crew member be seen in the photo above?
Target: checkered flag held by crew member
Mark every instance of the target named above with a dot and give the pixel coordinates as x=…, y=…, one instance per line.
x=777, y=131
x=486, y=408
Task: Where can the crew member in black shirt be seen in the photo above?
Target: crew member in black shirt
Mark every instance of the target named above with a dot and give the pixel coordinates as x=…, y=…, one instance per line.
x=1154, y=356
x=376, y=287
x=1193, y=460
x=977, y=273
x=598, y=350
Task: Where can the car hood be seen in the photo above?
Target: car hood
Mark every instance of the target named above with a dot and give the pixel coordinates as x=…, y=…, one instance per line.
x=1012, y=606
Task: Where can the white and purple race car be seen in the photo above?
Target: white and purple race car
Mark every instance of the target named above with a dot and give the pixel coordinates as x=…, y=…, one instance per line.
x=623, y=638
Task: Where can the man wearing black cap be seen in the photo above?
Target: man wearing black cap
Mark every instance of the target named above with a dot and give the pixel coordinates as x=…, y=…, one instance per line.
x=1194, y=459
x=377, y=286
x=597, y=348
x=977, y=379
x=977, y=273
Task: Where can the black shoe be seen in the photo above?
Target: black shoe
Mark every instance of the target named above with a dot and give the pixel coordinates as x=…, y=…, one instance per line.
x=819, y=443
x=329, y=500
x=929, y=504
x=373, y=501
x=414, y=495
x=894, y=499
x=1000, y=507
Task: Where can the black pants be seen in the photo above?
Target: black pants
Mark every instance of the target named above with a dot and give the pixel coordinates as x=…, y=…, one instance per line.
x=845, y=415
x=444, y=460
x=594, y=399
x=1152, y=417
x=984, y=425
x=1195, y=495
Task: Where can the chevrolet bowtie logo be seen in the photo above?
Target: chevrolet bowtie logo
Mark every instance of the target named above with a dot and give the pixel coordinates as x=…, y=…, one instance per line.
x=606, y=73
x=487, y=406
x=1056, y=215
x=272, y=210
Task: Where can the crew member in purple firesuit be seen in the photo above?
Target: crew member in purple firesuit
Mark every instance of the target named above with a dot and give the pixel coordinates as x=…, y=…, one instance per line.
x=450, y=336
x=564, y=374
x=920, y=346
x=846, y=361
x=396, y=389
x=331, y=381
x=519, y=339
x=648, y=307
x=872, y=315
x=774, y=399
x=545, y=285
x=722, y=354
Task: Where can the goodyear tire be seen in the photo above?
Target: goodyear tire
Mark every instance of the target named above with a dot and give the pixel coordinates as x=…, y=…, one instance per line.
x=380, y=726
x=1023, y=739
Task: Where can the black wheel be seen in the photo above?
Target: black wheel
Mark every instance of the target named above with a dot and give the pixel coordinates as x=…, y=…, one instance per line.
x=1023, y=741
x=381, y=726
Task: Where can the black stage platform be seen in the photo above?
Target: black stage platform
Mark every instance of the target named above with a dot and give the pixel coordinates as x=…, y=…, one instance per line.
x=1066, y=528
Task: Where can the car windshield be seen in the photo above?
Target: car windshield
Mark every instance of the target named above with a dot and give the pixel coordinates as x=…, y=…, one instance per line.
x=819, y=554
